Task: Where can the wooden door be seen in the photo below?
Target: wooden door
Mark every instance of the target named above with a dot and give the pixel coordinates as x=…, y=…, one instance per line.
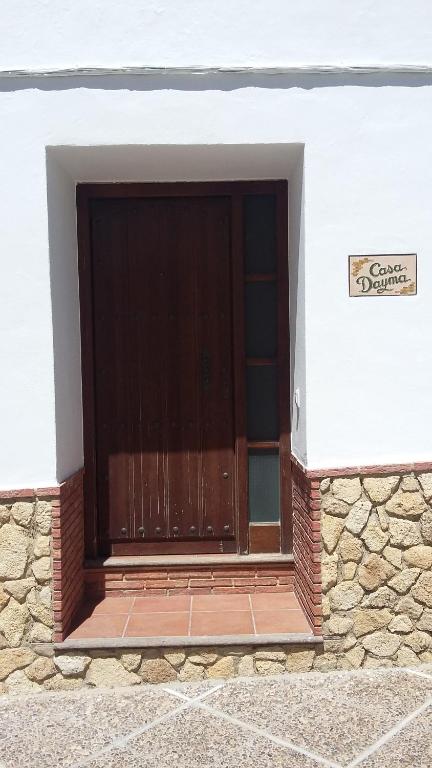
x=163, y=374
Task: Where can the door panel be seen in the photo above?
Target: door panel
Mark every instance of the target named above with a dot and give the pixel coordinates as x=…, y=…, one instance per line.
x=163, y=371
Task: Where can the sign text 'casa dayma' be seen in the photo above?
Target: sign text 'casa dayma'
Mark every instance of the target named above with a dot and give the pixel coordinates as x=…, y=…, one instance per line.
x=392, y=274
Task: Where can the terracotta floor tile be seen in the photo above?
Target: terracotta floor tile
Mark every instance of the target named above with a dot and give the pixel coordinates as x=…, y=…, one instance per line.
x=157, y=624
x=100, y=626
x=269, y=601
x=222, y=623
x=162, y=604
x=280, y=621
x=113, y=605
x=221, y=603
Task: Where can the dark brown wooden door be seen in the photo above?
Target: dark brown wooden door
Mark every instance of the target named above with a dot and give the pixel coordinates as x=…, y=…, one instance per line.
x=163, y=363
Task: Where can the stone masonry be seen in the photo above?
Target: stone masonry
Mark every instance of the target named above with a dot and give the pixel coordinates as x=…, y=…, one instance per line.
x=376, y=581
x=377, y=569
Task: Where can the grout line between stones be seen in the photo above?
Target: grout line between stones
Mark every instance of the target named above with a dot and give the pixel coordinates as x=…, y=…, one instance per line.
x=252, y=614
x=418, y=673
x=389, y=735
x=262, y=733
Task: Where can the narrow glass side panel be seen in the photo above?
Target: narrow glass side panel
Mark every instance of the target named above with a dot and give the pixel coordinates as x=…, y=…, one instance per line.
x=261, y=319
x=264, y=486
x=262, y=403
x=260, y=234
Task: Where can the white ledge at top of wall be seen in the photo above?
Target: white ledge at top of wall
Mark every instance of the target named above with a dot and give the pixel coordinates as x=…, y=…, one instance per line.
x=300, y=69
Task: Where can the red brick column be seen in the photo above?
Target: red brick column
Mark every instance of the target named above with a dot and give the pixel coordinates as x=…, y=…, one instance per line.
x=68, y=553
x=307, y=544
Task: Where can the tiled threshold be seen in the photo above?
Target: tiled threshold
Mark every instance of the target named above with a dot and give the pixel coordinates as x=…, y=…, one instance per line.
x=197, y=620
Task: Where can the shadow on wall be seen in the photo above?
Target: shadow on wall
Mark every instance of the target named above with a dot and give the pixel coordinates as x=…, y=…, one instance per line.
x=67, y=165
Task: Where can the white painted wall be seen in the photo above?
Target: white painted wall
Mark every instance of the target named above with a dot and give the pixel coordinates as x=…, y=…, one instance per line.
x=363, y=366
x=67, y=33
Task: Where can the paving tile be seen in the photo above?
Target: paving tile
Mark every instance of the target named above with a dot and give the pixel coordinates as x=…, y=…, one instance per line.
x=162, y=604
x=196, y=739
x=58, y=729
x=113, y=605
x=337, y=715
x=222, y=623
x=266, y=601
x=280, y=621
x=411, y=748
x=221, y=603
x=103, y=625
x=157, y=625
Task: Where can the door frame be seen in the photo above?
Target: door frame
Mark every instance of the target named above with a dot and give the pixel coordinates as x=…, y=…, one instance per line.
x=85, y=193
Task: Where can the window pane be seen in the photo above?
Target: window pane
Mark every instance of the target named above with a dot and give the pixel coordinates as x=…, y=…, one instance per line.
x=263, y=487
x=262, y=407
x=260, y=233
x=261, y=320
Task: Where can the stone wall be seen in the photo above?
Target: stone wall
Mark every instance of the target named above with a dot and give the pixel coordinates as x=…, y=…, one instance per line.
x=377, y=569
x=25, y=570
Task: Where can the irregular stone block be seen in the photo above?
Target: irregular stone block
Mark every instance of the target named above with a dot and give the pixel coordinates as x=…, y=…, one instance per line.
x=300, y=661
x=18, y=682
x=12, y=659
x=22, y=513
x=131, y=661
x=4, y=598
x=4, y=514
x=43, y=514
x=410, y=483
x=334, y=507
x=418, y=641
x=426, y=527
x=325, y=485
x=374, y=572
x=59, y=683
x=14, y=545
x=346, y=595
x=407, y=658
x=329, y=570
x=347, y=489
x=190, y=673
x=246, y=666
x=175, y=658
x=402, y=624
x=379, y=489
x=394, y=556
x=19, y=588
x=383, y=518
x=109, y=673
x=38, y=610
x=368, y=620
x=157, y=671
x=406, y=505
x=404, y=580
x=203, y=658
x=419, y=556
x=338, y=625
x=422, y=590
x=13, y=621
x=425, y=622
x=40, y=669
x=382, y=598
x=374, y=538
x=409, y=606
x=42, y=546
x=349, y=571
x=72, y=664
x=355, y=657
x=225, y=667
x=426, y=484
x=331, y=530
x=382, y=644
x=358, y=516
x=404, y=533
x=269, y=667
x=372, y=663
x=325, y=662
x=350, y=548
x=39, y=633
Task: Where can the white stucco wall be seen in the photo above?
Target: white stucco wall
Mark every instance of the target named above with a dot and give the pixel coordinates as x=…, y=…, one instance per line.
x=363, y=366
x=67, y=33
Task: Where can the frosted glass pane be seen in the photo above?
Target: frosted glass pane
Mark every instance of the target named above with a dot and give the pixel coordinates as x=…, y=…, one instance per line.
x=264, y=487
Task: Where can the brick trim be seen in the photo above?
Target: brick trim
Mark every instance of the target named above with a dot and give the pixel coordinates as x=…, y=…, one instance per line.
x=68, y=553
x=373, y=469
x=307, y=545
